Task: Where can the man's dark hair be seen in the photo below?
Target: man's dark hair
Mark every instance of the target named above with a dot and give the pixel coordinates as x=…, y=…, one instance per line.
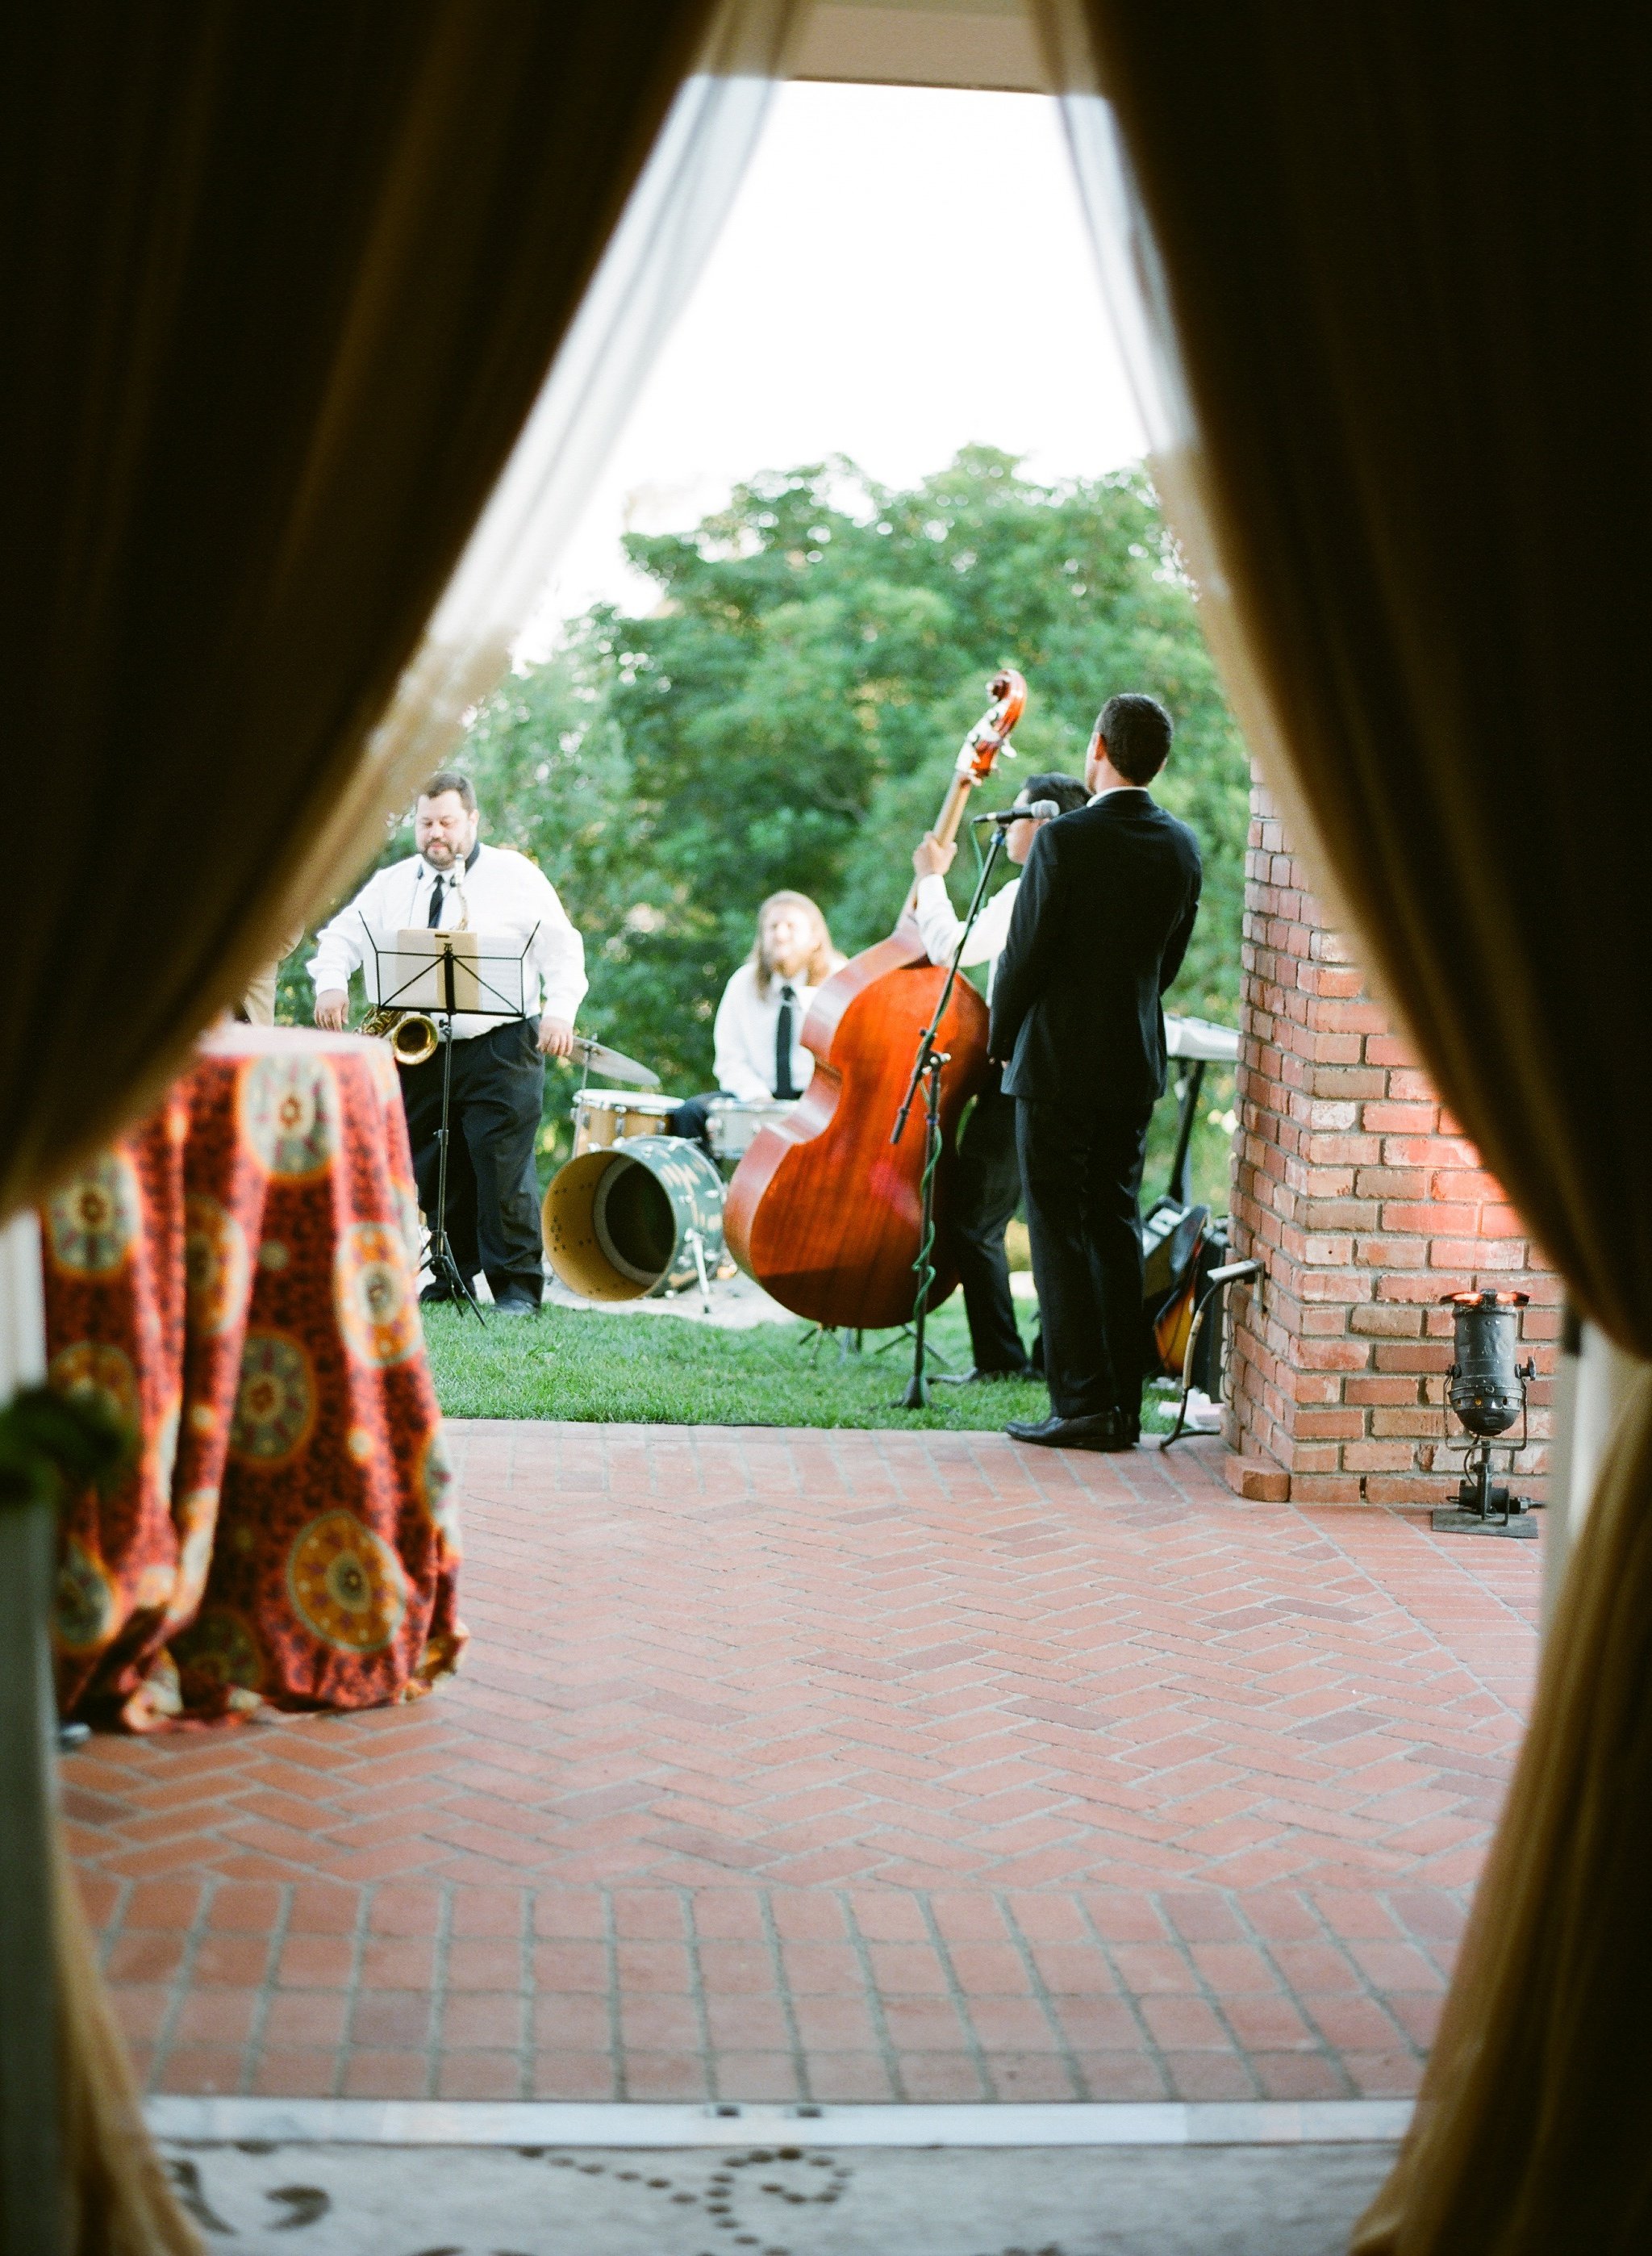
x=450, y=779
x=1137, y=731
x=1067, y=792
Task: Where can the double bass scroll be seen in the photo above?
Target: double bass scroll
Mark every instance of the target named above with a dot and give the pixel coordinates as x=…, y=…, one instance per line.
x=824, y=1211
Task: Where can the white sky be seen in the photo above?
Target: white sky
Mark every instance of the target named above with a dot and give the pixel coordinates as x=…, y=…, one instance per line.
x=905, y=270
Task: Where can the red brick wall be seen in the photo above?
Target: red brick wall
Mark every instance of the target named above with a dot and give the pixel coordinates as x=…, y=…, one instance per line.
x=1366, y=1203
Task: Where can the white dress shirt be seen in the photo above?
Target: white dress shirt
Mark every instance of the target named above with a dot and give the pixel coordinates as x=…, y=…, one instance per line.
x=745, y=1032
x=939, y=925
x=498, y=894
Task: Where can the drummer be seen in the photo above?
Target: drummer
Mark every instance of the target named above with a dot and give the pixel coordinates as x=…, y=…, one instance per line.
x=757, y=1039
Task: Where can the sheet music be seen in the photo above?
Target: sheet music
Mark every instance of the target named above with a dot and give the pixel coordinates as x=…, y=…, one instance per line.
x=489, y=972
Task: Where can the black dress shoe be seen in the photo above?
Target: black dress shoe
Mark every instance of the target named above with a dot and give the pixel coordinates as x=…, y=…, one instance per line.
x=975, y=1377
x=516, y=1304
x=1108, y=1430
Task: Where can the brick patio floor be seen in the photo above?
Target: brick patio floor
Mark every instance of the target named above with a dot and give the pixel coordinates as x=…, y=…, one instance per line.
x=840, y=1767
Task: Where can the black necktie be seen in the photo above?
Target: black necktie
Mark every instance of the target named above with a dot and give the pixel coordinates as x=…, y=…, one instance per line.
x=435, y=916
x=782, y=1045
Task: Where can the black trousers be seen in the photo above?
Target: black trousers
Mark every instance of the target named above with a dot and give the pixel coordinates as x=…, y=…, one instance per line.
x=986, y=1193
x=493, y=1191
x=1081, y=1173
x=689, y=1117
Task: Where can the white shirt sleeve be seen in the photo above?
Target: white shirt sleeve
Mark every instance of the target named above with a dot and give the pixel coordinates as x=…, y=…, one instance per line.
x=558, y=952
x=732, y=1038
x=342, y=945
x=939, y=925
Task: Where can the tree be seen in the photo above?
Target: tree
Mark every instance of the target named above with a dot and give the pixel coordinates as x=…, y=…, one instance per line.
x=788, y=712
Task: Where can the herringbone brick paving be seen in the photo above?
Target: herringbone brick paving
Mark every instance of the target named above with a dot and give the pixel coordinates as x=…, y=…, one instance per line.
x=844, y=1766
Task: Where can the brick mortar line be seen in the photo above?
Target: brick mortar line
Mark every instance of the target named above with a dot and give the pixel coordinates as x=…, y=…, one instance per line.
x=611, y=1960
x=364, y=1897
x=1365, y=1989
x=697, y=1988
x=874, y=2002
x=183, y=1983
x=252, y=2053
x=1234, y=1897
x=1427, y=1949
x=955, y=1990
x=783, y=1990
x=1396, y=1599
x=1207, y=1990
x=438, y=2014
x=1429, y=1945
x=527, y=1993
x=1041, y=1991
x=1149, y=2042
x=115, y=1927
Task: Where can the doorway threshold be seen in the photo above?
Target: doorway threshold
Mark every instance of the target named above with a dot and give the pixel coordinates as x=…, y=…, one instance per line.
x=643, y=2124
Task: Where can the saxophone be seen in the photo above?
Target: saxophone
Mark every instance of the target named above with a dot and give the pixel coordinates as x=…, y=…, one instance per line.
x=412, y=1035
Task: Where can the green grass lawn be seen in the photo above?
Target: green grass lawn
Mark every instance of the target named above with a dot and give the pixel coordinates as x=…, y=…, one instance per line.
x=660, y=1370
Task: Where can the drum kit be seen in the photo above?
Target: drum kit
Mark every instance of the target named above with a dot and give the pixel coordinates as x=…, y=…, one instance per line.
x=635, y=1212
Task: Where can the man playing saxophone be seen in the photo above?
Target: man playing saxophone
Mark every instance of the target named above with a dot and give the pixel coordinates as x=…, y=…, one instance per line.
x=498, y=1066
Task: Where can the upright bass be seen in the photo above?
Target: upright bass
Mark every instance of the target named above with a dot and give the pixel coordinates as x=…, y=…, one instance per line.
x=824, y=1211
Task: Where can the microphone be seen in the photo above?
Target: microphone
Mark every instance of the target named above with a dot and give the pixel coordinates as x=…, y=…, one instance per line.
x=1042, y=810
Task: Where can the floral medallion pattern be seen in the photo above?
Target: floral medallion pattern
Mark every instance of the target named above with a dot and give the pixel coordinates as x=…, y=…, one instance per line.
x=346, y=1585
x=373, y=1287
x=241, y=1258
x=289, y=1112
x=214, y=1263
x=85, y=1611
x=275, y=1402
x=92, y=1223
x=104, y=1372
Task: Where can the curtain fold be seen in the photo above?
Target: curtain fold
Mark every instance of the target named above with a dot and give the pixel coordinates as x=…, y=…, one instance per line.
x=282, y=286
x=1386, y=272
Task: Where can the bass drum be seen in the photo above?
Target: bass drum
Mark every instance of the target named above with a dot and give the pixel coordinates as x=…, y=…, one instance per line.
x=637, y=1218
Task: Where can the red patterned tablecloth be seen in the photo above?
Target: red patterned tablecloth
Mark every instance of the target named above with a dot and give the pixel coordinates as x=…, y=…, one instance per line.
x=238, y=1279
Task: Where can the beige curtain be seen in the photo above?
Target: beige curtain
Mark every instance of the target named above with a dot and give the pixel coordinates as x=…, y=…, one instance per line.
x=1391, y=268
x=281, y=287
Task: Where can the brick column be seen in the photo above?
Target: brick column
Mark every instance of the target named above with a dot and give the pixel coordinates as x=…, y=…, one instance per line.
x=1367, y=1204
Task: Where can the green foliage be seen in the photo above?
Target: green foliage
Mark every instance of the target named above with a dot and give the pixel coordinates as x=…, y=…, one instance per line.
x=54, y=1445
x=788, y=713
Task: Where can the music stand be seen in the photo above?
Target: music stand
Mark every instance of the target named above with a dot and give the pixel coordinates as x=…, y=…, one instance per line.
x=443, y=977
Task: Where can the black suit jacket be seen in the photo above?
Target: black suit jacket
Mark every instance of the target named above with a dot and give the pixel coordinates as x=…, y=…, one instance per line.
x=1100, y=926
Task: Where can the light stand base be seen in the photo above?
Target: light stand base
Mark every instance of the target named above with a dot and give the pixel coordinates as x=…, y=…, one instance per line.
x=1503, y=1514
x=1520, y=1527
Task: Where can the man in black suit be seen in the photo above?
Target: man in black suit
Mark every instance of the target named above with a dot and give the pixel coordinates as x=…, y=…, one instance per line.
x=1100, y=926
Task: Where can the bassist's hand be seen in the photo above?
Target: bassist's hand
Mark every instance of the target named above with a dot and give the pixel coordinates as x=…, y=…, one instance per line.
x=930, y=858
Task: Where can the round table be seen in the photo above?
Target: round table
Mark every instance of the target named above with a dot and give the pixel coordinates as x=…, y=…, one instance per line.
x=238, y=1279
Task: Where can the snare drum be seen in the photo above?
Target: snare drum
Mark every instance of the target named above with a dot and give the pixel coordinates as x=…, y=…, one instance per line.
x=602, y=1116
x=732, y=1124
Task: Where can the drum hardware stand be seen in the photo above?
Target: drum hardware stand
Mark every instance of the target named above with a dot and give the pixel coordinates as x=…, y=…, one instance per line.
x=698, y=1244
x=927, y=1067
x=848, y=1337
x=1216, y=1285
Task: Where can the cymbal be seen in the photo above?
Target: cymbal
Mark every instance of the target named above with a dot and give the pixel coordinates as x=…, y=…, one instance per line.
x=597, y=1057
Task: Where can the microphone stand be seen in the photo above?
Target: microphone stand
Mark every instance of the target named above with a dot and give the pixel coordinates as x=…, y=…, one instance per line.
x=927, y=1067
